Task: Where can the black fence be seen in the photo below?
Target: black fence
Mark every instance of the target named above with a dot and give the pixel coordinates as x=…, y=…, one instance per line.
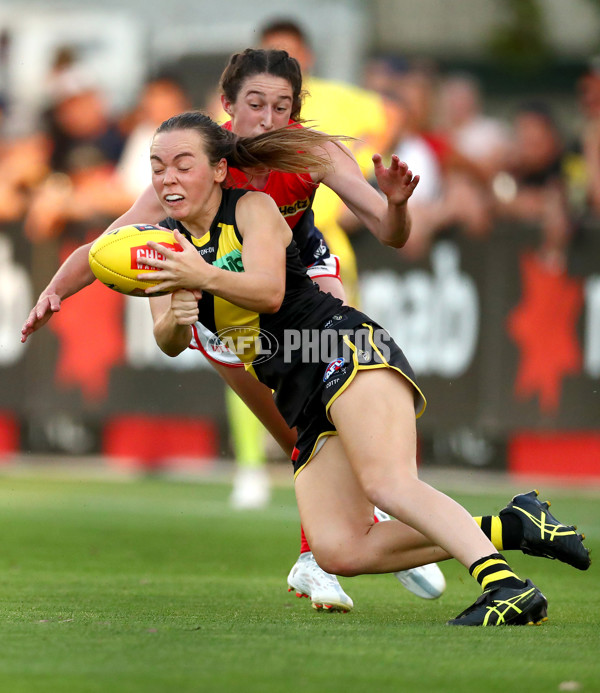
x=500, y=343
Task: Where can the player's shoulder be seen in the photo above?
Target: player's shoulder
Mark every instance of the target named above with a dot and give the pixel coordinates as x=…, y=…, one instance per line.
x=253, y=200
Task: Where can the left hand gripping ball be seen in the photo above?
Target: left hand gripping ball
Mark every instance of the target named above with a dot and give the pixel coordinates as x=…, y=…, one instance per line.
x=117, y=257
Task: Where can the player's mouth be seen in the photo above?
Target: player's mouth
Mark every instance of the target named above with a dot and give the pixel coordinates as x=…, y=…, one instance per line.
x=173, y=199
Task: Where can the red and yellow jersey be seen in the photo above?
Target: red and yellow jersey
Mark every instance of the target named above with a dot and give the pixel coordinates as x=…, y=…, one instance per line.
x=293, y=192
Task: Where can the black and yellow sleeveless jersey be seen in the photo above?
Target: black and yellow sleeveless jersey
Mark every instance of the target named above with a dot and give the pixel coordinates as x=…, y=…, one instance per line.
x=304, y=307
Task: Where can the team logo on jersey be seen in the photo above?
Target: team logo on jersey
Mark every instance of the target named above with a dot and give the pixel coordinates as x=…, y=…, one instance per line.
x=332, y=321
x=231, y=261
x=363, y=355
x=321, y=250
x=332, y=367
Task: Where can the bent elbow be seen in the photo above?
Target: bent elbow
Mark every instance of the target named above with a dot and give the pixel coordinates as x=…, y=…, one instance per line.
x=271, y=307
x=273, y=303
x=172, y=347
x=170, y=351
x=396, y=243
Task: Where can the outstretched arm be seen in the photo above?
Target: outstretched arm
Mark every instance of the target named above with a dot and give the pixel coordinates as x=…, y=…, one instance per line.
x=387, y=218
x=75, y=273
x=72, y=276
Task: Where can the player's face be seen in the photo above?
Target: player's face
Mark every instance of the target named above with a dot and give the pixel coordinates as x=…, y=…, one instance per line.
x=186, y=183
x=264, y=103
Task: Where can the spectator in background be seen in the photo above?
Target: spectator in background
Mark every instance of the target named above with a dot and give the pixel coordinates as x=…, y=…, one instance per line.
x=82, y=118
x=464, y=202
x=24, y=162
x=88, y=192
x=588, y=90
x=455, y=189
x=481, y=138
x=534, y=186
x=85, y=145
x=162, y=97
x=66, y=76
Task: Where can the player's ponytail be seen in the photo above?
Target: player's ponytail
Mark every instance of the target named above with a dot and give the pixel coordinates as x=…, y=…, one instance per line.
x=290, y=149
x=293, y=149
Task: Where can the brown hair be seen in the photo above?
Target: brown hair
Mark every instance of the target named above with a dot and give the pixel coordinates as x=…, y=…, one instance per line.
x=286, y=149
x=255, y=61
x=284, y=26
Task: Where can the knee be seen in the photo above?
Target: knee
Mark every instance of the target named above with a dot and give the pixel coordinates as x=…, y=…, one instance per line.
x=381, y=495
x=337, y=561
x=390, y=494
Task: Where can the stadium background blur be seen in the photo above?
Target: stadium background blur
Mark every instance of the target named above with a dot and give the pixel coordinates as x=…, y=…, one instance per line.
x=496, y=301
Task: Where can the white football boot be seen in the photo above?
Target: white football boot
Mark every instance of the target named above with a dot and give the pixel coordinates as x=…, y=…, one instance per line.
x=323, y=589
x=251, y=489
x=426, y=581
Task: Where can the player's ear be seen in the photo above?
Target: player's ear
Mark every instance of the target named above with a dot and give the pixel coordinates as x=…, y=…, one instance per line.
x=221, y=171
x=227, y=105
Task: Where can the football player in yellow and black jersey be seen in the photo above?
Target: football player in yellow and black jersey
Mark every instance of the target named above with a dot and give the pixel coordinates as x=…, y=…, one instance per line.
x=355, y=414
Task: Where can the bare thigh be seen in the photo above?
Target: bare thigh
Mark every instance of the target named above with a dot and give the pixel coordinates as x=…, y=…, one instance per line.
x=338, y=520
x=332, y=285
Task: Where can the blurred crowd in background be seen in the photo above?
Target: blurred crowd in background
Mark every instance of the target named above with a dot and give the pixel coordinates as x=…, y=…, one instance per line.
x=84, y=164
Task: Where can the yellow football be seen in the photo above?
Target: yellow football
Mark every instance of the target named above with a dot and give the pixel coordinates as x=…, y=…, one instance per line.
x=117, y=257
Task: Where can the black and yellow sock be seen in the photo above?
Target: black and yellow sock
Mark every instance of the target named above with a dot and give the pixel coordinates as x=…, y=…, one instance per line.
x=504, y=532
x=493, y=571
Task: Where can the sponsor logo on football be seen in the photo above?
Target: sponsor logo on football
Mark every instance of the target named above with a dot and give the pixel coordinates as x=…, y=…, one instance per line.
x=140, y=253
x=332, y=368
x=145, y=227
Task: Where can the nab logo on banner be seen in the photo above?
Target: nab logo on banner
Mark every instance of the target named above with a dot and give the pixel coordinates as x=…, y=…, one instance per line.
x=434, y=316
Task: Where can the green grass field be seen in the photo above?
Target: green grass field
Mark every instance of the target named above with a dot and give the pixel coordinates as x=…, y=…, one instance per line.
x=154, y=585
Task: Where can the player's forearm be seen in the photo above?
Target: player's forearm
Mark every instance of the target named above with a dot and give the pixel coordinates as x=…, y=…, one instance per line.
x=255, y=291
x=73, y=275
x=394, y=229
x=171, y=337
